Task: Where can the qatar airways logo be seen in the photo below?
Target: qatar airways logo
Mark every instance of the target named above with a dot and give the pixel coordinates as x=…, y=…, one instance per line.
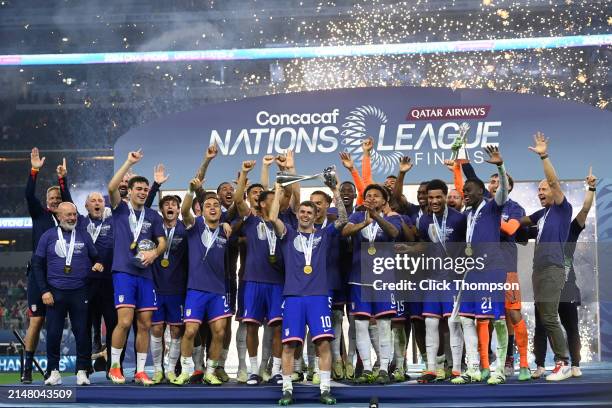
x=426, y=136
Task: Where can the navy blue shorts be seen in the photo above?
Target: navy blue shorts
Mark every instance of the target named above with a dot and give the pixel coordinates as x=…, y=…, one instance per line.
x=169, y=310
x=203, y=306
x=134, y=291
x=314, y=311
x=262, y=301
x=371, y=309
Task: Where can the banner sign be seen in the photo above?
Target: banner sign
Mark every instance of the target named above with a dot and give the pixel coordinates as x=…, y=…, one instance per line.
x=419, y=122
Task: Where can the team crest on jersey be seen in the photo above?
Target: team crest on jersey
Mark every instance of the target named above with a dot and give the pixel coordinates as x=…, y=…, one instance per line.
x=505, y=217
x=78, y=248
x=364, y=233
x=286, y=332
x=187, y=312
x=297, y=243
x=33, y=307
x=261, y=231
x=121, y=298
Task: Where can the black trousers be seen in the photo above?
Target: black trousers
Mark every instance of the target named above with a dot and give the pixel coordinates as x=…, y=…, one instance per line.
x=102, y=304
x=568, y=313
x=72, y=303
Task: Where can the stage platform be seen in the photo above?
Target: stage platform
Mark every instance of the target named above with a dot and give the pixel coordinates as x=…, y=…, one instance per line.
x=593, y=388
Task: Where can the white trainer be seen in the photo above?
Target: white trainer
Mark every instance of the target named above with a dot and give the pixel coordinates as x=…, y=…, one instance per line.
x=560, y=373
x=54, y=379
x=82, y=378
x=539, y=372
x=576, y=372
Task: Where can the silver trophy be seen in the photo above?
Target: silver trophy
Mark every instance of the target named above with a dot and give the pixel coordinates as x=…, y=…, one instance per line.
x=459, y=147
x=144, y=245
x=328, y=176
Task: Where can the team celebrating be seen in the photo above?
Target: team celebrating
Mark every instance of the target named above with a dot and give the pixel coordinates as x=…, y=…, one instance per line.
x=261, y=255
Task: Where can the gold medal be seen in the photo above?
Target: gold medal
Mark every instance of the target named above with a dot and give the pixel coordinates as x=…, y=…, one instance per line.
x=272, y=259
x=67, y=268
x=307, y=269
x=165, y=263
x=133, y=245
x=371, y=250
x=468, y=250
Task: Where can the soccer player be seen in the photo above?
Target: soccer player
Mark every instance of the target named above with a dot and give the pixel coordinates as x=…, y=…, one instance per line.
x=371, y=226
x=483, y=238
x=307, y=299
x=548, y=276
x=510, y=229
x=442, y=228
x=206, y=291
x=170, y=279
x=263, y=279
x=570, y=294
x=324, y=215
x=134, y=225
x=43, y=218
x=63, y=260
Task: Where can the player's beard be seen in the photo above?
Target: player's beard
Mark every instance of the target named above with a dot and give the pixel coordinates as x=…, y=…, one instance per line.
x=66, y=226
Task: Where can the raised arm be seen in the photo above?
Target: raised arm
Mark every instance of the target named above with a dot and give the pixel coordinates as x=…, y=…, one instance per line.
x=591, y=181
x=455, y=168
x=113, y=185
x=295, y=187
x=241, y=205
x=279, y=226
x=211, y=153
x=35, y=207
x=159, y=178
x=501, y=195
x=541, y=149
x=264, y=179
x=188, y=219
x=62, y=173
x=349, y=164
x=405, y=165
x=342, y=216
x=386, y=226
x=366, y=164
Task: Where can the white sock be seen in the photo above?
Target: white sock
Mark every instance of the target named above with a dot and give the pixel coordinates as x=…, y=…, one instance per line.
x=287, y=384
x=337, y=317
x=276, y=365
x=211, y=365
x=374, y=339
x=456, y=344
x=325, y=380
x=224, y=353
x=384, y=342
x=198, y=358
x=157, y=351
x=241, y=346
x=116, y=356
x=310, y=351
x=399, y=347
x=471, y=342
x=352, y=340
x=253, y=365
x=316, y=365
x=173, y=354
x=266, y=347
x=432, y=341
x=141, y=359
x=187, y=366
x=363, y=342
x=297, y=365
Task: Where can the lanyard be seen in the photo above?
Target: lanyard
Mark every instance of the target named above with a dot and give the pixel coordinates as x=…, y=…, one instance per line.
x=62, y=243
x=307, y=246
x=541, y=223
x=169, y=236
x=271, y=237
x=94, y=231
x=441, y=234
x=209, y=238
x=135, y=226
x=472, y=218
x=372, y=231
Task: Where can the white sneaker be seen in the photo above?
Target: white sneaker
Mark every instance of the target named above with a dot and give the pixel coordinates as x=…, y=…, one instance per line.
x=576, y=372
x=82, y=378
x=539, y=372
x=560, y=373
x=54, y=379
